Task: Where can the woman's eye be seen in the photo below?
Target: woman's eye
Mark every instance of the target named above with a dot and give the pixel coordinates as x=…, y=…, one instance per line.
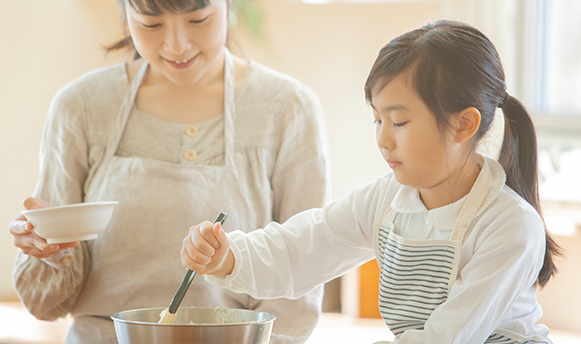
x=377, y=121
x=199, y=21
x=400, y=124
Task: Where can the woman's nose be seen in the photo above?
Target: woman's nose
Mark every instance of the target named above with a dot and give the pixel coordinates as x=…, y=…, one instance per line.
x=177, y=41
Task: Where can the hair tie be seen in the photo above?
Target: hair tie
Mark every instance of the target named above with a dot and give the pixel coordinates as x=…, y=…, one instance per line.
x=504, y=100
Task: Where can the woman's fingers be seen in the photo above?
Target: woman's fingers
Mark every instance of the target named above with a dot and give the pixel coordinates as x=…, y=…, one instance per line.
x=35, y=246
x=31, y=203
x=27, y=240
x=20, y=226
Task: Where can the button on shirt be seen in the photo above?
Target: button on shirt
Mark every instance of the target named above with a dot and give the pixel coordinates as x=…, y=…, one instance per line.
x=192, y=130
x=67, y=258
x=177, y=143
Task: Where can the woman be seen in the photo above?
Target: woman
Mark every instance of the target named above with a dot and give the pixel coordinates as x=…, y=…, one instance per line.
x=160, y=134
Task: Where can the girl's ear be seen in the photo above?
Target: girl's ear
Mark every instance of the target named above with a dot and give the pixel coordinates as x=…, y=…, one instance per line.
x=468, y=122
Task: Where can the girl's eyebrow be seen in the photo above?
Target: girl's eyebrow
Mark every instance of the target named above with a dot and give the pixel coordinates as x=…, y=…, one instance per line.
x=389, y=108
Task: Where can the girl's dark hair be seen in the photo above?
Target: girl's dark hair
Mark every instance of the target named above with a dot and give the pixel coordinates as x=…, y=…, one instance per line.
x=454, y=67
x=155, y=7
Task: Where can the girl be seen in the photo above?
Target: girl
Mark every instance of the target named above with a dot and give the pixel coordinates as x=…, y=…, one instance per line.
x=458, y=236
x=184, y=120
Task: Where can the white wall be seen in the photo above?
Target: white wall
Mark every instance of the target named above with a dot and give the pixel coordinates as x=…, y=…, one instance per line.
x=43, y=45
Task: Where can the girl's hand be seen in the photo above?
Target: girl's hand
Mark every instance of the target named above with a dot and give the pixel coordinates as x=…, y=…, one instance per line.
x=26, y=239
x=206, y=250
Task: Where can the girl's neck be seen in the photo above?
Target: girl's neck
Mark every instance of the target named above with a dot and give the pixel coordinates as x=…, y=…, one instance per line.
x=457, y=185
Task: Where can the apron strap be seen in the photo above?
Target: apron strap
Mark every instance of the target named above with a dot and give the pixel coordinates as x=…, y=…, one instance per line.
x=118, y=128
x=229, y=107
x=471, y=205
x=124, y=112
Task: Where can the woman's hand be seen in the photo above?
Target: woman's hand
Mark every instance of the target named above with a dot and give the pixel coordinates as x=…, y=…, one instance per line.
x=26, y=239
x=206, y=250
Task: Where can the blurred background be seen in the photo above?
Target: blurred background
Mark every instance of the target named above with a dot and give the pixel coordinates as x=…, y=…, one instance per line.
x=329, y=45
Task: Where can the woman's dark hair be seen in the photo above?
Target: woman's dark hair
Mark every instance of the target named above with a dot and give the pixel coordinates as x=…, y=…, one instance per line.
x=454, y=67
x=155, y=7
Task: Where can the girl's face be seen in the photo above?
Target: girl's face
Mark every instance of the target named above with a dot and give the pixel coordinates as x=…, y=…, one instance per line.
x=180, y=47
x=409, y=138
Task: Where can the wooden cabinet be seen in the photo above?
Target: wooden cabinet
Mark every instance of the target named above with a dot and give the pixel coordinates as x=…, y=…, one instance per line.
x=369, y=290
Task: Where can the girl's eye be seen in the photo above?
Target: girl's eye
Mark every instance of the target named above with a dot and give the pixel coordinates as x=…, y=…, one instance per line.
x=151, y=26
x=377, y=121
x=399, y=125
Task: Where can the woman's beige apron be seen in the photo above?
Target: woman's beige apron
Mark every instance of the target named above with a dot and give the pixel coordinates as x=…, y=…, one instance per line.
x=417, y=275
x=142, y=244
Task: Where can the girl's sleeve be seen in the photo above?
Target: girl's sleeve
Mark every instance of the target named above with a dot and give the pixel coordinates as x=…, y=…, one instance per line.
x=49, y=287
x=508, y=255
x=291, y=259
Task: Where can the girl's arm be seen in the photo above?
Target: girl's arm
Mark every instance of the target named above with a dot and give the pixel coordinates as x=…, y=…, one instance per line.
x=50, y=286
x=290, y=259
x=506, y=256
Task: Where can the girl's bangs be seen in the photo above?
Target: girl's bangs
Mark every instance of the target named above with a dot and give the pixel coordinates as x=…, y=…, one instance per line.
x=159, y=7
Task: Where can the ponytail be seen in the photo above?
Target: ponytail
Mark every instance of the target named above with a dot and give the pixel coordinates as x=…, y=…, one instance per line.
x=518, y=157
x=124, y=44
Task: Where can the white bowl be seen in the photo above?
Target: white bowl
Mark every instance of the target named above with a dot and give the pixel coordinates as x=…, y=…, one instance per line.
x=69, y=223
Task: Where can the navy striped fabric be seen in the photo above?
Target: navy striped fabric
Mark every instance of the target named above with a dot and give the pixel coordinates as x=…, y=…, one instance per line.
x=500, y=339
x=414, y=281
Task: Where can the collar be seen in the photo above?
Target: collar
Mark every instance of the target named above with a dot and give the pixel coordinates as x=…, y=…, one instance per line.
x=490, y=180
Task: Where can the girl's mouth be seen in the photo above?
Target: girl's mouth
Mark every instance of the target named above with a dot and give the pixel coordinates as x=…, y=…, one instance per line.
x=393, y=164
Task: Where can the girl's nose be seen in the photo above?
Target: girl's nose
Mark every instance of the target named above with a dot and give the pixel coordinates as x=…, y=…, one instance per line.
x=177, y=41
x=384, y=138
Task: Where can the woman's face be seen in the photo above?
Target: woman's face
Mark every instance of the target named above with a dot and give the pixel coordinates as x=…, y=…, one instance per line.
x=180, y=47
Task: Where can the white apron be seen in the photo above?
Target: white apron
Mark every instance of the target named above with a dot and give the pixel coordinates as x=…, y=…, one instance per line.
x=416, y=275
x=146, y=219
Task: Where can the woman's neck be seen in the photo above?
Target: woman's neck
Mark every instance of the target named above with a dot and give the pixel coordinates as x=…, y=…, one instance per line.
x=457, y=185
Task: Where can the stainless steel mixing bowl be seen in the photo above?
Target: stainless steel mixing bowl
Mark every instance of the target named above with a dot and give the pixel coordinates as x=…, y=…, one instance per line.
x=194, y=325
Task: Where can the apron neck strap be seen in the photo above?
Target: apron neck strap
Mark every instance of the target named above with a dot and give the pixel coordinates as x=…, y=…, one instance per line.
x=229, y=107
x=472, y=204
x=124, y=112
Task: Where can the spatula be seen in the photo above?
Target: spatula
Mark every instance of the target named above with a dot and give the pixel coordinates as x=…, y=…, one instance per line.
x=168, y=315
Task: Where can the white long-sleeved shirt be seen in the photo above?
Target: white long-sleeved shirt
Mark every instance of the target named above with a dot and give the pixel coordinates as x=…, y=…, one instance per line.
x=502, y=253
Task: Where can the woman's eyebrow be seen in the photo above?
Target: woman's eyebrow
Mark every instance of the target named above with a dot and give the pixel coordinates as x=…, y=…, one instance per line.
x=147, y=12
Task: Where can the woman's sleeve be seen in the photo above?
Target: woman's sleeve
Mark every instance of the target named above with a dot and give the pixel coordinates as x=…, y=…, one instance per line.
x=301, y=175
x=507, y=258
x=49, y=287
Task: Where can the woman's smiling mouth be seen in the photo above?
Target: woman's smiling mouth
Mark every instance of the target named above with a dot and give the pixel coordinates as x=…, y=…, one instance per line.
x=180, y=64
